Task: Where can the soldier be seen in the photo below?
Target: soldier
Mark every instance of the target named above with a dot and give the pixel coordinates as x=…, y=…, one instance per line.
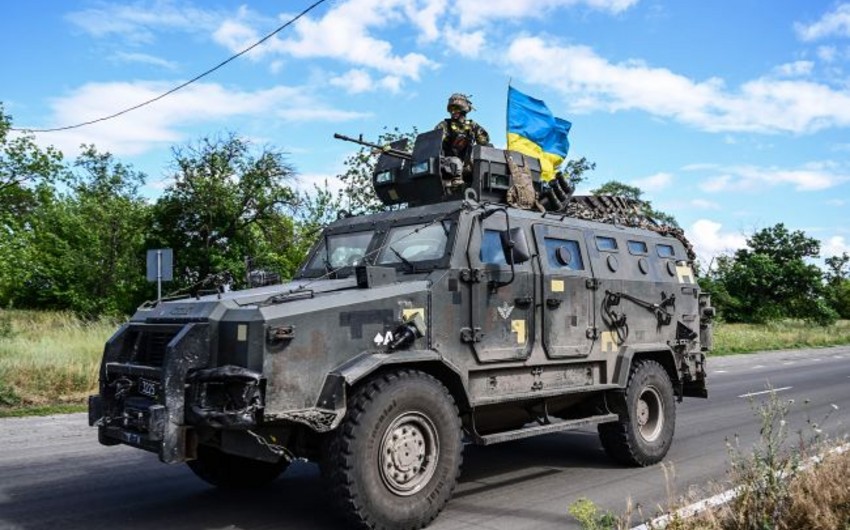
x=459, y=132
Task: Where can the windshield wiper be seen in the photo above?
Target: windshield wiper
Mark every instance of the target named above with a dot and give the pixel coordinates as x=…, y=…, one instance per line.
x=404, y=260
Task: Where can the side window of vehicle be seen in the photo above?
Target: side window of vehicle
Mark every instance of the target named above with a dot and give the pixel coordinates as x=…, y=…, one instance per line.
x=563, y=254
x=665, y=251
x=606, y=243
x=638, y=248
x=491, y=248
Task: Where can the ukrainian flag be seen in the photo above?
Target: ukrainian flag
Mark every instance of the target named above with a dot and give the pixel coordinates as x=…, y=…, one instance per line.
x=534, y=131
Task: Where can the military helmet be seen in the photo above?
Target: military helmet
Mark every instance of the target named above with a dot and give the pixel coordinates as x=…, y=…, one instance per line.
x=461, y=101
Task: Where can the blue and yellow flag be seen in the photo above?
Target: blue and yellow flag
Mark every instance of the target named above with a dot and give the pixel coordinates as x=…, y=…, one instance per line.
x=534, y=131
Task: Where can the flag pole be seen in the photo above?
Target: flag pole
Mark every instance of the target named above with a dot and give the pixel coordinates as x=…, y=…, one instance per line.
x=507, y=111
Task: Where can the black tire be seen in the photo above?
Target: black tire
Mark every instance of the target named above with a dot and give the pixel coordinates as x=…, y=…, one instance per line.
x=644, y=432
x=395, y=459
x=228, y=471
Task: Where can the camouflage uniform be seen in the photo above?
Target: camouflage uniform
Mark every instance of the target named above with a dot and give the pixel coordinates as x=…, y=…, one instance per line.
x=460, y=135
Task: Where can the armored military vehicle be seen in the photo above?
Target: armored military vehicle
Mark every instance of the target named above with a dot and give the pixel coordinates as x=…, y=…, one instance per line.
x=408, y=334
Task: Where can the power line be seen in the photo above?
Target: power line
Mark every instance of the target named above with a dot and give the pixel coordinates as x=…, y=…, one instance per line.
x=179, y=87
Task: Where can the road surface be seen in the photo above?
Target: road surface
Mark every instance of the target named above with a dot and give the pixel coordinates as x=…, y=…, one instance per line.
x=53, y=473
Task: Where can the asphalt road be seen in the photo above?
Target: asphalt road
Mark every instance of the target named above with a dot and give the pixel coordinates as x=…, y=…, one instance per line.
x=53, y=473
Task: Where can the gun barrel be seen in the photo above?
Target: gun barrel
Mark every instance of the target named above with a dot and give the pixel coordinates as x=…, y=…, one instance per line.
x=384, y=149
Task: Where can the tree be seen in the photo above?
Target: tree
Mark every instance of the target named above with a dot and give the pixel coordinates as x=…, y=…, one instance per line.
x=26, y=174
x=23, y=167
x=85, y=247
x=226, y=202
x=771, y=279
x=614, y=187
x=838, y=284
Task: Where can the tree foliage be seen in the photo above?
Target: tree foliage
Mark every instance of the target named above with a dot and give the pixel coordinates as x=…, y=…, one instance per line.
x=838, y=284
x=771, y=279
x=225, y=203
x=85, y=246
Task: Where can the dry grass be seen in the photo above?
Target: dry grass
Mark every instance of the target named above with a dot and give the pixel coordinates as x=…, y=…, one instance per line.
x=818, y=498
x=787, y=334
x=49, y=358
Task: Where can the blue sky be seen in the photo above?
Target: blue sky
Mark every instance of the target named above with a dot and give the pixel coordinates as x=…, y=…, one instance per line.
x=731, y=115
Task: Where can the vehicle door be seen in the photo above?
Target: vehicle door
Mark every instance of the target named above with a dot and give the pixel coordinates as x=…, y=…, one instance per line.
x=501, y=326
x=568, y=290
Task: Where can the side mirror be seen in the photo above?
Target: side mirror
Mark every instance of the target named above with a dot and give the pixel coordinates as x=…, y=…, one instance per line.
x=515, y=246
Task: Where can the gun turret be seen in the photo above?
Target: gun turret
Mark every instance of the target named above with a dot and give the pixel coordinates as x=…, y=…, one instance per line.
x=388, y=150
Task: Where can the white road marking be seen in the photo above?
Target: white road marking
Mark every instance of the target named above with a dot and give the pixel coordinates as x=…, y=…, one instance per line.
x=788, y=362
x=751, y=394
x=758, y=366
x=719, y=372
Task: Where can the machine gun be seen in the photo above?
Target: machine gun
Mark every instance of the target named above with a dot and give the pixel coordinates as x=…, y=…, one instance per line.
x=394, y=150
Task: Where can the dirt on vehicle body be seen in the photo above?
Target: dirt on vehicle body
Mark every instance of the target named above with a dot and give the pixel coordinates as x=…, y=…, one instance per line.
x=459, y=319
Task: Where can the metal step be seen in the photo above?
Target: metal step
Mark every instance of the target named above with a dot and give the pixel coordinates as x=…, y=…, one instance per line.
x=534, y=430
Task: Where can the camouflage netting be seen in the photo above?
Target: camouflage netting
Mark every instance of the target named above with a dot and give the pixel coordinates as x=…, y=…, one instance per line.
x=621, y=211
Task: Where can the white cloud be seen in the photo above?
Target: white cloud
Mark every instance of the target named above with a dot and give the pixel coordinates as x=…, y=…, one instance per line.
x=343, y=33
x=833, y=24
x=138, y=22
x=467, y=44
x=589, y=82
x=308, y=182
x=836, y=202
x=426, y=17
x=357, y=81
x=472, y=13
x=160, y=123
x=795, y=69
x=810, y=177
x=710, y=241
x=834, y=246
x=144, y=58
x=827, y=54
x=656, y=182
x=703, y=204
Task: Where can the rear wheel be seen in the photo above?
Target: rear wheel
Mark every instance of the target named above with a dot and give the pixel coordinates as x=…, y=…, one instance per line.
x=395, y=459
x=644, y=432
x=233, y=472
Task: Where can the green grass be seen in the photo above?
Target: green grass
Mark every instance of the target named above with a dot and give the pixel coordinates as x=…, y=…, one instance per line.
x=784, y=335
x=49, y=361
x=49, y=358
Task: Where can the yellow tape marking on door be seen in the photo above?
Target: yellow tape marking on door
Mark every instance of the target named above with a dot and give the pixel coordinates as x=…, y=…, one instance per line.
x=242, y=332
x=557, y=286
x=685, y=274
x=407, y=314
x=518, y=327
x=608, y=342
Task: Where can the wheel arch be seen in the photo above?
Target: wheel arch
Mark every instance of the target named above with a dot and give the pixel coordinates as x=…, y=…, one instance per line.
x=661, y=354
x=340, y=382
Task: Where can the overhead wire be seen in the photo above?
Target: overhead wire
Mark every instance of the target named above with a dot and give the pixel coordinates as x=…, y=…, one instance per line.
x=181, y=86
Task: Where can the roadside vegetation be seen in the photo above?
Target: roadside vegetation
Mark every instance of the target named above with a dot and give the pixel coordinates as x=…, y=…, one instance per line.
x=49, y=360
x=789, y=480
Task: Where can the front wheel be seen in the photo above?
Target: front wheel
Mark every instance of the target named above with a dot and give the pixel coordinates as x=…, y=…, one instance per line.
x=233, y=472
x=644, y=432
x=395, y=459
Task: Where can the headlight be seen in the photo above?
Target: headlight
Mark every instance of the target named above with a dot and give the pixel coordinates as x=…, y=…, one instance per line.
x=384, y=177
x=421, y=167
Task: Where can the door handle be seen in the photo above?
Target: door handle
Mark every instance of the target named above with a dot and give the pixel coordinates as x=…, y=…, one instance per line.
x=553, y=303
x=524, y=301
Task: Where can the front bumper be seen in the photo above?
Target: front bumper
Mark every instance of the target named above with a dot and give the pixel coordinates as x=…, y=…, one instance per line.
x=142, y=400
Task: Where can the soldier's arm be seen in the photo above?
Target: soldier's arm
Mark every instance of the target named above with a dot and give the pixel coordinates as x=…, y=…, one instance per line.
x=481, y=136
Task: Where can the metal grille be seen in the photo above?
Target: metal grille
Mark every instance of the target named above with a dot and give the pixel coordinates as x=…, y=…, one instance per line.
x=152, y=347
